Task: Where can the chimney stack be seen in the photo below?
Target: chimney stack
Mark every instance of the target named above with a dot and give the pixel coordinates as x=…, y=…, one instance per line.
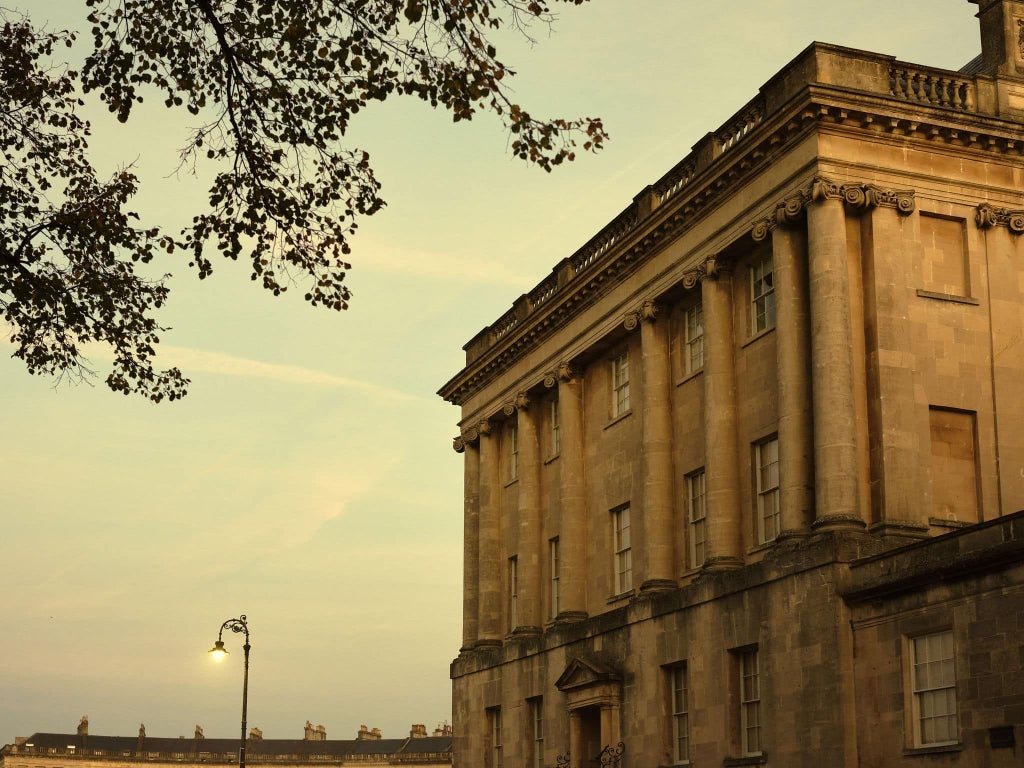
x=83, y=726
x=1002, y=37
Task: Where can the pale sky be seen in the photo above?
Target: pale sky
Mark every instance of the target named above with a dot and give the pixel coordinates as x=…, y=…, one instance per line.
x=308, y=479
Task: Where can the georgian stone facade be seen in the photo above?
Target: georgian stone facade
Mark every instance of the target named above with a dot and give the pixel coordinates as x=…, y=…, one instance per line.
x=741, y=474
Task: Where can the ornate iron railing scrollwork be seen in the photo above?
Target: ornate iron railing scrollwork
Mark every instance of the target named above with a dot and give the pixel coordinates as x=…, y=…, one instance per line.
x=611, y=757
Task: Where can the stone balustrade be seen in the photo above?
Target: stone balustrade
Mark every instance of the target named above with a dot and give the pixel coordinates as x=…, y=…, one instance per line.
x=932, y=86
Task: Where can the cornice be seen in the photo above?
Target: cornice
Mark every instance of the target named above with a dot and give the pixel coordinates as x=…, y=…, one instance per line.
x=636, y=240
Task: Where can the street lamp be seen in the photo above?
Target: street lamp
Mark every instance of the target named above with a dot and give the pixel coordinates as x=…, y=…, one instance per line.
x=219, y=652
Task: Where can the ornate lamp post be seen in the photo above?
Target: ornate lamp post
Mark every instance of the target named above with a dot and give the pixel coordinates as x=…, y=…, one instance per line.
x=219, y=652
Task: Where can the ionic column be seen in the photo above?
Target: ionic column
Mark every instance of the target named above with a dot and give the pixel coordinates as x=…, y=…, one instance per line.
x=657, y=454
x=489, y=599
x=720, y=453
x=793, y=363
x=572, y=537
x=471, y=538
x=528, y=547
x=832, y=383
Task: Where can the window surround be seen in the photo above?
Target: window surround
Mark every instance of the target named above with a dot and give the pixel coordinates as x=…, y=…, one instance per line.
x=536, y=735
x=677, y=677
x=495, y=757
x=693, y=339
x=696, y=516
x=762, y=293
x=930, y=677
x=513, y=453
x=513, y=593
x=747, y=690
x=555, y=576
x=620, y=394
x=622, y=553
x=766, y=488
x=555, y=431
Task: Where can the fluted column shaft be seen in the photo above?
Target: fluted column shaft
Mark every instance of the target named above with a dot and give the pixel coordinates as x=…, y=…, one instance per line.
x=720, y=454
x=657, y=455
x=572, y=541
x=489, y=603
x=471, y=547
x=529, y=549
x=832, y=388
x=793, y=361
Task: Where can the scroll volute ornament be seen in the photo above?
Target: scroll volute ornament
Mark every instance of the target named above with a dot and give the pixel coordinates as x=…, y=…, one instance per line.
x=711, y=267
x=990, y=216
x=863, y=197
x=458, y=444
x=787, y=213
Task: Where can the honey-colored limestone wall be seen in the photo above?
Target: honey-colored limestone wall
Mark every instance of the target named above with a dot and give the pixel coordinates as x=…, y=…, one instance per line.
x=892, y=378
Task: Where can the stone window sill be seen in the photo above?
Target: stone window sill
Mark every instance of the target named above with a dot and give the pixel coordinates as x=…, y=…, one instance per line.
x=757, y=336
x=513, y=481
x=938, y=749
x=619, y=597
x=760, y=759
x=686, y=379
x=616, y=419
x=956, y=299
x=551, y=458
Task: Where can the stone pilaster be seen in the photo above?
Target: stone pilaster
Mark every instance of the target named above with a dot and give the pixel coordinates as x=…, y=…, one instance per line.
x=895, y=450
x=1002, y=230
x=720, y=454
x=489, y=599
x=529, y=548
x=657, y=453
x=572, y=537
x=467, y=445
x=836, y=484
x=793, y=361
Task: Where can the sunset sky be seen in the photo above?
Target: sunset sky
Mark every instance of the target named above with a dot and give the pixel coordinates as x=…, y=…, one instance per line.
x=308, y=479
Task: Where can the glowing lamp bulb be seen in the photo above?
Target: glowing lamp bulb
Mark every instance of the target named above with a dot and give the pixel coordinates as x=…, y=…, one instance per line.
x=218, y=650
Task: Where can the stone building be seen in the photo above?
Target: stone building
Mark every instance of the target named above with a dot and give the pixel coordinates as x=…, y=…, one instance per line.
x=742, y=473
x=367, y=750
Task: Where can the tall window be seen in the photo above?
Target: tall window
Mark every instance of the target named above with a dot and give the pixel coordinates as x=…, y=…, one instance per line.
x=494, y=733
x=750, y=703
x=555, y=577
x=623, y=552
x=934, y=688
x=762, y=293
x=767, y=459
x=537, y=731
x=556, y=436
x=620, y=384
x=680, y=707
x=513, y=593
x=513, y=451
x=694, y=338
x=695, y=487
